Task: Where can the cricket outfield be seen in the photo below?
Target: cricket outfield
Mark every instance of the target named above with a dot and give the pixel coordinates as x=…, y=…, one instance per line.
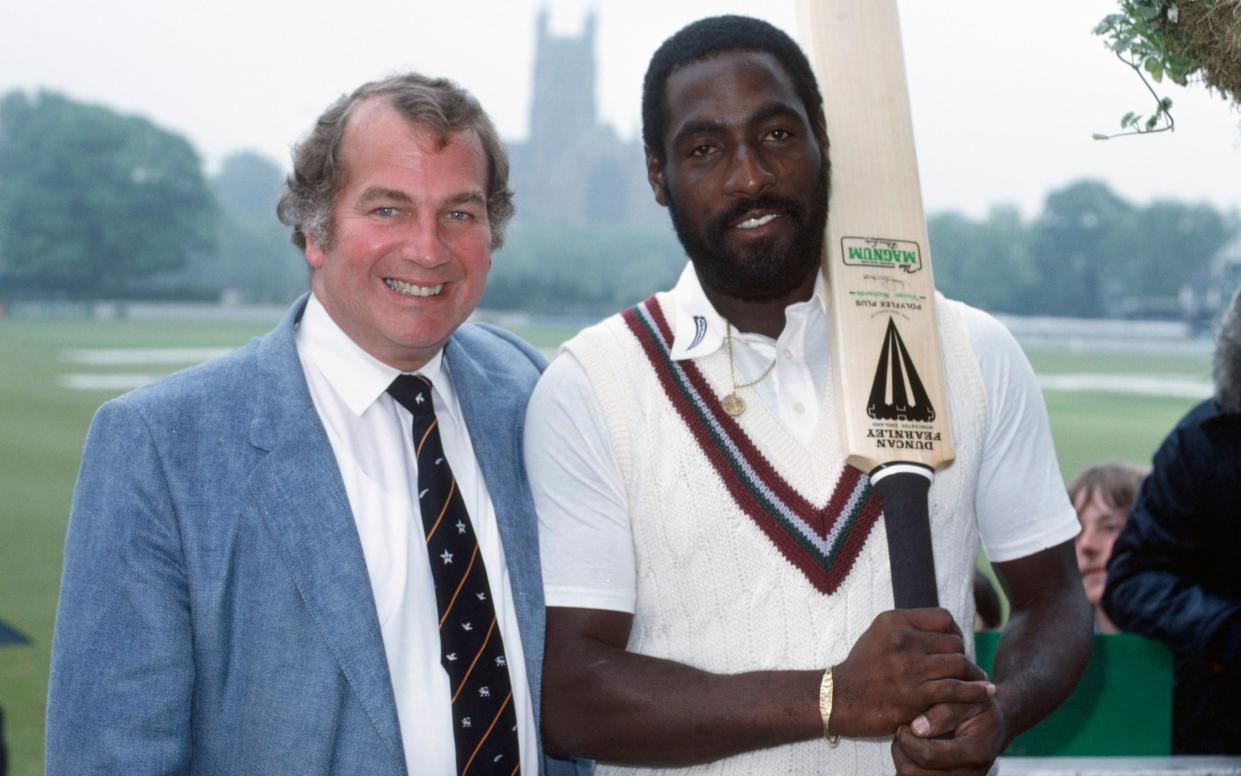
x=55, y=373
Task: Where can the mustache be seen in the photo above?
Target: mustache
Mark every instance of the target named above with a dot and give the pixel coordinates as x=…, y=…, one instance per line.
x=777, y=204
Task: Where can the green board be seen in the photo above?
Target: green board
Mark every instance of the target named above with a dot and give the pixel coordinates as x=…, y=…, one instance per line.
x=1121, y=706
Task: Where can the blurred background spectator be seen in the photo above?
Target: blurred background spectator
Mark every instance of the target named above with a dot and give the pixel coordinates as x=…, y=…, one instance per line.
x=1102, y=494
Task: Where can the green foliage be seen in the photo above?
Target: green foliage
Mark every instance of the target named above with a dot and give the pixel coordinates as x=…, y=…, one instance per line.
x=1163, y=244
x=985, y=262
x=1138, y=36
x=551, y=267
x=255, y=256
x=1075, y=248
x=1089, y=253
x=92, y=201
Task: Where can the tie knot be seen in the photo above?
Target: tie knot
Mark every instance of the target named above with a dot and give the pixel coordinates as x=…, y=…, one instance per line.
x=413, y=392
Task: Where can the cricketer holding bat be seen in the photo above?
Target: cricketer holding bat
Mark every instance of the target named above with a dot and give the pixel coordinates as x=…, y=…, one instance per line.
x=719, y=590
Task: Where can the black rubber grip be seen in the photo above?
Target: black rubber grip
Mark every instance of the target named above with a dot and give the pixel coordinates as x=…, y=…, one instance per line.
x=908, y=522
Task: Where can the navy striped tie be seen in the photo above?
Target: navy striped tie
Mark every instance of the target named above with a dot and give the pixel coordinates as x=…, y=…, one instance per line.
x=471, y=650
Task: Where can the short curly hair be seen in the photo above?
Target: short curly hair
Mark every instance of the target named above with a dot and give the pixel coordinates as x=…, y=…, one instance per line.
x=707, y=38
x=436, y=104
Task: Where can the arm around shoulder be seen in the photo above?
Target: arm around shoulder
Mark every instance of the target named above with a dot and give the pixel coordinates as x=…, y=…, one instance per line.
x=122, y=666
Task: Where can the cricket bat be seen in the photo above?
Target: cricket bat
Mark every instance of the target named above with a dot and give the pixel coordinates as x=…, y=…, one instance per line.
x=885, y=342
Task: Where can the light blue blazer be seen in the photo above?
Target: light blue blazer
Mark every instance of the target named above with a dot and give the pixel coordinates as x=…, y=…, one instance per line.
x=216, y=616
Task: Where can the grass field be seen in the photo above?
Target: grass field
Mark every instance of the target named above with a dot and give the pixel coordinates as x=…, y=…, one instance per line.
x=42, y=426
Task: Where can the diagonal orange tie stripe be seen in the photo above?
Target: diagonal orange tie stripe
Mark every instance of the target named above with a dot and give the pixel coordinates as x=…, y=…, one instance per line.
x=452, y=488
x=417, y=448
x=474, y=662
x=461, y=584
x=490, y=727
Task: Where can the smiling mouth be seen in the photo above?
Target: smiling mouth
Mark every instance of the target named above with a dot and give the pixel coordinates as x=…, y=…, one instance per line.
x=755, y=222
x=411, y=289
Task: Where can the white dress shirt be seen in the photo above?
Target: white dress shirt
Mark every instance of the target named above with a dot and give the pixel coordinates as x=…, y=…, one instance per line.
x=371, y=437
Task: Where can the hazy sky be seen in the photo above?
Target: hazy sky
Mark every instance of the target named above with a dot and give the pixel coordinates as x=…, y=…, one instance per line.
x=1005, y=94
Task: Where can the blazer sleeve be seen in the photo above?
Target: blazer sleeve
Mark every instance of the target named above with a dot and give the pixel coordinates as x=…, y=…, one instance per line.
x=122, y=665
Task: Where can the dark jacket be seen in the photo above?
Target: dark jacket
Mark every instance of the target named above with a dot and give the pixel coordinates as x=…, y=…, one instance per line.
x=1175, y=574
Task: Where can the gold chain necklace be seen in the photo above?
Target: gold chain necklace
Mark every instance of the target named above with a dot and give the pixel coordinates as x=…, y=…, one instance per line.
x=733, y=404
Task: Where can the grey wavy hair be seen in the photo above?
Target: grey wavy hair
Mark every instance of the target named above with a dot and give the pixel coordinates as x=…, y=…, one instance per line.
x=436, y=104
x=1227, y=366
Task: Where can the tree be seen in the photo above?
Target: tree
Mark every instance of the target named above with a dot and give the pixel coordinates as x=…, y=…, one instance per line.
x=255, y=255
x=1165, y=242
x=985, y=263
x=546, y=266
x=92, y=201
x=1077, y=252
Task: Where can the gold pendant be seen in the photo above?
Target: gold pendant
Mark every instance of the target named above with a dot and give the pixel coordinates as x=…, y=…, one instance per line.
x=733, y=404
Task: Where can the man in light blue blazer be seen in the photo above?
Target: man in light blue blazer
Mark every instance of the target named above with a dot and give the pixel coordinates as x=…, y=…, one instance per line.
x=247, y=586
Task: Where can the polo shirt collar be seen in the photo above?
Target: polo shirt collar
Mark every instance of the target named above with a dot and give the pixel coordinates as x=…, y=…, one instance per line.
x=698, y=330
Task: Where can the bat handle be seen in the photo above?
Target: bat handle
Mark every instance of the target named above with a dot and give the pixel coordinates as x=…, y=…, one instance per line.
x=903, y=487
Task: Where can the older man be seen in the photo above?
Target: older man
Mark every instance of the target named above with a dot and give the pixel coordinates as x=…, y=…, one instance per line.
x=317, y=554
x=718, y=592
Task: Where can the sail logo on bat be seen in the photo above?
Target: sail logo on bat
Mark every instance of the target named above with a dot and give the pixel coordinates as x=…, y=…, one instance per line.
x=897, y=392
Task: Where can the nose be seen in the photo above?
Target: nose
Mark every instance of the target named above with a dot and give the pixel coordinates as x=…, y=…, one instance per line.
x=1088, y=545
x=749, y=173
x=424, y=245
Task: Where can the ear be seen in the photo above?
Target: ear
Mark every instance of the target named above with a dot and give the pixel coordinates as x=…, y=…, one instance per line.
x=315, y=255
x=655, y=176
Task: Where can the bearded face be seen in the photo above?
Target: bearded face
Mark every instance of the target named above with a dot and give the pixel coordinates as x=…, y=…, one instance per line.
x=762, y=269
x=745, y=175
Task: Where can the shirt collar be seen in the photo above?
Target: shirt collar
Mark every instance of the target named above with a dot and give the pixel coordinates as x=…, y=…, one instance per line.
x=356, y=376
x=698, y=330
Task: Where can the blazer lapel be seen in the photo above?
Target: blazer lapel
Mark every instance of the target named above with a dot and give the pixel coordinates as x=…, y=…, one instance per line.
x=299, y=492
x=494, y=409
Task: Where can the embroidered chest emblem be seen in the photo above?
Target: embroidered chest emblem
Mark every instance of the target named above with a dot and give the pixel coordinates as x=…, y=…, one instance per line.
x=822, y=542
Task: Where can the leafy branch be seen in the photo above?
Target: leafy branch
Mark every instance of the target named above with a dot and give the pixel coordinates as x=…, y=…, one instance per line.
x=1138, y=36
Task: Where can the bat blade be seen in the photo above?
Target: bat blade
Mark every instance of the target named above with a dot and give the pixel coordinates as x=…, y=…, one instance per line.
x=886, y=362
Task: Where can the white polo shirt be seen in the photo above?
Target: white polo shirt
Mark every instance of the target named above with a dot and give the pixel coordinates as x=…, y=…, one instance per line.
x=585, y=538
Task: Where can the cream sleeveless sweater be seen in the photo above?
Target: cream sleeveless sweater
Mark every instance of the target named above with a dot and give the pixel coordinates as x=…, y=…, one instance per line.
x=727, y=592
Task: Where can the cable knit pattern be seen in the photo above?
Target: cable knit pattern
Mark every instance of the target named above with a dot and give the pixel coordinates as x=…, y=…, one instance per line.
x=822, y=541
x=713, y=590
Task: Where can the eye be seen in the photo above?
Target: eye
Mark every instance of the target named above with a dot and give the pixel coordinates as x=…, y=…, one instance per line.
x=385, y=212
x=701, y=150
x=780, y=134
x=460, y=215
